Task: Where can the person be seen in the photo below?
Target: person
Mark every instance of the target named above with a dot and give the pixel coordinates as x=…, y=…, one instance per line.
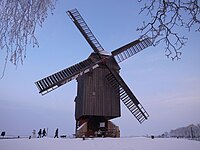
x=34, y=134
x=40, y=133
x=44, y=132
x=3, y=133
x=83, y=136
x=56, y=133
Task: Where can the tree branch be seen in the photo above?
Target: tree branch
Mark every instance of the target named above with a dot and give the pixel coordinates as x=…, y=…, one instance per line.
x=166, y=16
x=18, y=21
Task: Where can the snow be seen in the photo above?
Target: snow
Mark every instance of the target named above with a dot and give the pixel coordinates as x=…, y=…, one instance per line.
x=135, y=143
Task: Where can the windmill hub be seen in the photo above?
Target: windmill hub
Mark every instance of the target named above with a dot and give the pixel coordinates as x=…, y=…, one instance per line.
x=103, y=52
x=100, y=87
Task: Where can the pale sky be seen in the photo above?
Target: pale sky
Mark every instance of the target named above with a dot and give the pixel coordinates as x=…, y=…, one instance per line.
x=168, y=90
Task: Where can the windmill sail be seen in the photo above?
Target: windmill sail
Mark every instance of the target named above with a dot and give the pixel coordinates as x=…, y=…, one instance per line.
x=55, y=80
x=84, y=29
x=127, y=96
x=130, y=49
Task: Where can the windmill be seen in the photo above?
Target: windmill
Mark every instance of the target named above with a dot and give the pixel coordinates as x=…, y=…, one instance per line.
x=100, y=87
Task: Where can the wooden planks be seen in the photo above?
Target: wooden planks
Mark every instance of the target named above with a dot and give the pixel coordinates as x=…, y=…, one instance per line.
x=95, y=96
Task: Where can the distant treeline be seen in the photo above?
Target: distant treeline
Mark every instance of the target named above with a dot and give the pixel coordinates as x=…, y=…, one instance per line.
x=191, y=131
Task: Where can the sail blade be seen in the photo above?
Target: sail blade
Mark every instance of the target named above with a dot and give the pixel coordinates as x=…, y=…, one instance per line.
x=126, y=96
x=85, y=30
x=130, y=49
x=55, y=80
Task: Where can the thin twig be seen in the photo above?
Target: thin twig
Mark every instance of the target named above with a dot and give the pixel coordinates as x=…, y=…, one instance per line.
x=165, y=17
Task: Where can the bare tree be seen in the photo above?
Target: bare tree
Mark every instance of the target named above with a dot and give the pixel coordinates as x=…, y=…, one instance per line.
x=166, y=16
x=18, y=21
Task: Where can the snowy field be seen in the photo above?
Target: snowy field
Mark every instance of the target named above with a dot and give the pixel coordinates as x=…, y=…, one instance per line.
x=139, y=143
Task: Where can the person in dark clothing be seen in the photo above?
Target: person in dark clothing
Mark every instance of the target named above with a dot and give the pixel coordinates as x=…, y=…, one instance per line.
x=44, y=133
x=56, y=133
x=3, y=133
x=40, y=133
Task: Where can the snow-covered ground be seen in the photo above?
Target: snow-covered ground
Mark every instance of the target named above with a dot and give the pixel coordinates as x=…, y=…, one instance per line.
x=136, y=143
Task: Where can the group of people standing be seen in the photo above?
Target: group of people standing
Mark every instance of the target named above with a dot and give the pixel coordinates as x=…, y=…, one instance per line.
x=43, y=133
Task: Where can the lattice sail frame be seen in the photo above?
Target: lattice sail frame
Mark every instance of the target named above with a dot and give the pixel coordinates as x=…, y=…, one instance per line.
x=85, y=30
x=127, y=97
x=131, y=49
x=55, y=80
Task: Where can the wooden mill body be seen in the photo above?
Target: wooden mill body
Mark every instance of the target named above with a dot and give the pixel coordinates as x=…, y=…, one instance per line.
x=97, y=101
